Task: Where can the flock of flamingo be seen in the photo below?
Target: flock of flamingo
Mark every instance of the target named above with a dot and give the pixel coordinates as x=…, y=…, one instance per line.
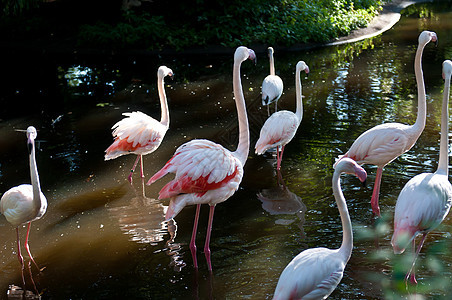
x=207, y=173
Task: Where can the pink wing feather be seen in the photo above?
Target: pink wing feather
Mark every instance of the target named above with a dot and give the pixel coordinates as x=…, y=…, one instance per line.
x=200, y=166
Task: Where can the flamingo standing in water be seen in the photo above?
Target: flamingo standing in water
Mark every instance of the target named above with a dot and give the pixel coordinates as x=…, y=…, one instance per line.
x=206, y=172
x=385, y=142
x=25, y=203
x=315, y=273
x=139, y=133
x=272, y=86
x=425, y=199
x=280, y=128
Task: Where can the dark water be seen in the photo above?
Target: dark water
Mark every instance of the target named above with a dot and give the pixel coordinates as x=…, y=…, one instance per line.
x=102, y=238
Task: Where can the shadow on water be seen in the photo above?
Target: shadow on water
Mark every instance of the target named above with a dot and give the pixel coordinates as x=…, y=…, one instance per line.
x=102, y=238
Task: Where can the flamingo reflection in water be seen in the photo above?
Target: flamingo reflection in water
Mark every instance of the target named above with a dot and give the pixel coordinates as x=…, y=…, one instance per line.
x=143, y=219
x=280, y=200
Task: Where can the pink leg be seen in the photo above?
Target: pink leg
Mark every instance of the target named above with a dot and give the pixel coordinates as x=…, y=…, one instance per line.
x=193, y=237
x=31, y=278
x=28, y=248
x=134, y=167
x=376, y=193
x=279, y=157
x=20, y=257
x=142, y=172
x=209, y=231
x=410, y=273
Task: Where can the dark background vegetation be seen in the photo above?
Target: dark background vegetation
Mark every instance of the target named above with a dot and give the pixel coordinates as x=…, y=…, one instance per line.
x=158, y=24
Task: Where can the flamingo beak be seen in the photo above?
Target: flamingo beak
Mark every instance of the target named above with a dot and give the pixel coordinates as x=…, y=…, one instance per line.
x=361, y=174
x=252, y=56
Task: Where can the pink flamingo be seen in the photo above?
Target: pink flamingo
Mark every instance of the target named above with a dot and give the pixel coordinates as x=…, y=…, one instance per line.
x=280, y=128
x=139, y=133
x=25, y=203
x=207, y=173
x=272, y=86
x=425, y=199
x=383, y=143
x=315, y=272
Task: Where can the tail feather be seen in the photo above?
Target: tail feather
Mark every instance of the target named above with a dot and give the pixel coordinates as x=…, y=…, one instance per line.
x=402, y=237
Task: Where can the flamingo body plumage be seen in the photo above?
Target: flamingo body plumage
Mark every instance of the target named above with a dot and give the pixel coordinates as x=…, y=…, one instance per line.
x=383, y=143
x=280, y=128
x=316, y=272
x=425, y=200
x=206, y=172
x=272, y=86
x=139, y=133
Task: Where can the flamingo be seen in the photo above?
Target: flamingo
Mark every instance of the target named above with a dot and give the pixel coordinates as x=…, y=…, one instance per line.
x=25, y=203
x=385, y=142
x=425, y=199
x=139, y=133
x=280, y=128
x=315, y=272
x=206, y=172
x=272, y=86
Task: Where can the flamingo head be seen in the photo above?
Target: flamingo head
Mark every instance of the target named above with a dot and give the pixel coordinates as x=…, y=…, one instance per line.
x=164, y=71
x=428, y=36
x=302, y=66
x=349, y=166
x=270, y=51
x=243, y=53
x=31, y=135
x=447, y=69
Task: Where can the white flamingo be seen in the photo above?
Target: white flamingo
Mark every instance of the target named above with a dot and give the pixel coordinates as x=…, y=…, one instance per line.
x=280, y=128
x=139, y=133
x=25, y=203
x=315, y=272
x=272, y=86
x=425, y=199
x=206, y=172
x=385, y=142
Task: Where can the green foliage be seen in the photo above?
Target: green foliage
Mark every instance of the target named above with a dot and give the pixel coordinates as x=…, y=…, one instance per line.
x=231, y=23
x=16, y=7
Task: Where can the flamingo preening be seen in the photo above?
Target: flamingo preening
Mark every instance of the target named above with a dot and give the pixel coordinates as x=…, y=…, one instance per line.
x=385, y=142
x=280, y=128
x=272, y=86
x=25, y=203
x=315, y=272
x=139, y=133
x=206, y=172
x=426, y=198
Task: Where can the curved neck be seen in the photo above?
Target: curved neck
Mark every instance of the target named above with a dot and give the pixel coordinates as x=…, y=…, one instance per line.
x=272, y=63
x=163, y=103
x=347, y=237
x=298, y=95
x=34, y=177
x=421, y=98
x=443, y=165
x=244, y=135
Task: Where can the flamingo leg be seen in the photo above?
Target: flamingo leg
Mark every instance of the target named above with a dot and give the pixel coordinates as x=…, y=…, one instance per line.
x=410, y=273
x=134, y=167
x=20, y=257
x=193, y=237
x=209, y=231
x=141, y=165
x=268, y=110
x=279, y=157
x=31, y=278
x=276, y=106
x=376, y=193
x=28, y=248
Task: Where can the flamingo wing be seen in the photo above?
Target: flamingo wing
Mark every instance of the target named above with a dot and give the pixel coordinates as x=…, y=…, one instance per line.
x=278, y=129
x=137, y=133
x=312, y=274
x=199, y=166
x=381, y=144
x=422, y=204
